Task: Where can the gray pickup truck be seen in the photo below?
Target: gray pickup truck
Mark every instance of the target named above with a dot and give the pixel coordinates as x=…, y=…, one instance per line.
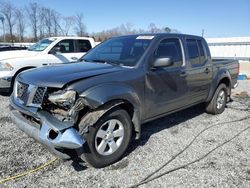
x=92, y=109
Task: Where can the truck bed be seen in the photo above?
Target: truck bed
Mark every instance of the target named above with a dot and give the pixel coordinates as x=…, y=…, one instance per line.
x=230, y=64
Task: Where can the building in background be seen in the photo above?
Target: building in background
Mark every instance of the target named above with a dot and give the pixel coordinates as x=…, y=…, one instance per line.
x=233, y=47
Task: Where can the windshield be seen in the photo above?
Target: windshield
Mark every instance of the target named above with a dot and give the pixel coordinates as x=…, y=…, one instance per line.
x=123, y=51
x=41, y=45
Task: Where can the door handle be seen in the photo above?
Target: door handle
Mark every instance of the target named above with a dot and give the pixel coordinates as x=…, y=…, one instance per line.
x=183, y=74
x=207, y=70
x=74, y=58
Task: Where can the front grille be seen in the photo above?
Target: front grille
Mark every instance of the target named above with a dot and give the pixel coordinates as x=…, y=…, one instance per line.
x=30, y=95
x=22, y=91
x=38, y=97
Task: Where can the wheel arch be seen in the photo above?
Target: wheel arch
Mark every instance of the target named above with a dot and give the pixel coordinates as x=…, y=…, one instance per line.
x=130, y=109
x=104, y=98
x=223, y=76
x=19, y=71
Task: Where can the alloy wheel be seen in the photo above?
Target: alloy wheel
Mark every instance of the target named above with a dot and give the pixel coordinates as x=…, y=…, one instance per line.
x=109, y=137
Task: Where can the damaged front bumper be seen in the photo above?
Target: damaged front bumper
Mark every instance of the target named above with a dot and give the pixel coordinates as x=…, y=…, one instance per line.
x=57, y=136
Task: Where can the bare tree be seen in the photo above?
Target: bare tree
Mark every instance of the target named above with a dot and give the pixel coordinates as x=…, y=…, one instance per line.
x=66, y=24
x=126, y=29
x=175, y=31
x=47, y=21
x=8, y=9
x=123, y=29
x=33, y=13
x=167, y=29
x=41, y=23
x=56, y=17
x=20, y=23
x=152, y=28
x=80, y=26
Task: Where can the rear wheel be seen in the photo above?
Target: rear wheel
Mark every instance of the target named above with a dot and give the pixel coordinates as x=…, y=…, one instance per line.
x=218, y=103
x=108, y=139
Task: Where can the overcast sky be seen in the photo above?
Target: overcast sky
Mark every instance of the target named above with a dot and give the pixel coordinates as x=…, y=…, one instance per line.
x=219, y=18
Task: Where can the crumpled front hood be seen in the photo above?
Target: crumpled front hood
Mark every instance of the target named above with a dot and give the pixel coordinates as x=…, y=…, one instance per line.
x=17, y=54
x=59, y=75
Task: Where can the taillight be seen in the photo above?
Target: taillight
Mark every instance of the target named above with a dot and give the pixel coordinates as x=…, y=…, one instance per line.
x=238, y=68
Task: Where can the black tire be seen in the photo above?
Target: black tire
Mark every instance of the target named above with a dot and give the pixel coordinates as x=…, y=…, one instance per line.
x=215, y=107
x=91, y=155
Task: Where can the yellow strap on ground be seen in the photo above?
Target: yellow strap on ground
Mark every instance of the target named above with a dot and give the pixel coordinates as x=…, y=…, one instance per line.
x=28, y=172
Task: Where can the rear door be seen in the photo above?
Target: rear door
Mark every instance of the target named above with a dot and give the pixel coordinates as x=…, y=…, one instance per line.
x=166, y=87
x=82, y=47
x=199, y=70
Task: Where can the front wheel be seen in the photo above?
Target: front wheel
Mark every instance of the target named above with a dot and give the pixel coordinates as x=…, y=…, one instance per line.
x=218, y=103
x=108, y=139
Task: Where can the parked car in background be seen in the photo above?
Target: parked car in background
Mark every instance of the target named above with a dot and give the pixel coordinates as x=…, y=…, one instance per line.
x=47, y=51
x=10, y=48
x=92, y=109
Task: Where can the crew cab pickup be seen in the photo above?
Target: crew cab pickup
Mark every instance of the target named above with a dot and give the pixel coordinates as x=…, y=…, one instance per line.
x=45, y=52
x=92, y=109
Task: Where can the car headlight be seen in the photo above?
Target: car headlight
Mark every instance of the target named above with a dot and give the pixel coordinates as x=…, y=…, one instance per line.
x=5, y=67
x=64, y=99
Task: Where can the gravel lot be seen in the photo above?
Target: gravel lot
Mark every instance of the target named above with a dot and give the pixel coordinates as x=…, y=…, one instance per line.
x=227, y=166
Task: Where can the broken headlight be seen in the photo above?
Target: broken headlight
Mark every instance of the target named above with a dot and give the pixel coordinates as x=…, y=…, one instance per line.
x=64, y=99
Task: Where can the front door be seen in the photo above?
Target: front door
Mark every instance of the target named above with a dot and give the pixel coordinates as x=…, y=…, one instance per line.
x=166, y=87
x=66, y=54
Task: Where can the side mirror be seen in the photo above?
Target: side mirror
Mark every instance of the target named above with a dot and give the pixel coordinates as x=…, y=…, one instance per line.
x=163, y=62
x=55, y=50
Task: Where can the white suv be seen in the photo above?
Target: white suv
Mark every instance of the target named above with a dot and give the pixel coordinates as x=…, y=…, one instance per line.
x=45, y=52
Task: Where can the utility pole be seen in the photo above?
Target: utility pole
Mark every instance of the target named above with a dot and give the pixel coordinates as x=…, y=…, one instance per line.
x=202, y=32
x=2, y=20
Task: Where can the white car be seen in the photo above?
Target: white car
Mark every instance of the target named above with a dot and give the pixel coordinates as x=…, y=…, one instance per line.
x=45, y=52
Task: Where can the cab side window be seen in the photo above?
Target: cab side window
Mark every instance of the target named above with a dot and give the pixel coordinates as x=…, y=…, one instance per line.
x=193, y=52
x=196, y=51
x=170, y=48
x=203, y=56
x=83, y=45
x=66, y=46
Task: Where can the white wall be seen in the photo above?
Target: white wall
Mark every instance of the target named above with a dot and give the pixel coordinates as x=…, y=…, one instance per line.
x=245, y=68
x=233, y=47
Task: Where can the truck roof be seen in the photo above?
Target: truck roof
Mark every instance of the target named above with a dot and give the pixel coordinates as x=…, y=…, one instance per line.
x=165, y=34
x=69, y=37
